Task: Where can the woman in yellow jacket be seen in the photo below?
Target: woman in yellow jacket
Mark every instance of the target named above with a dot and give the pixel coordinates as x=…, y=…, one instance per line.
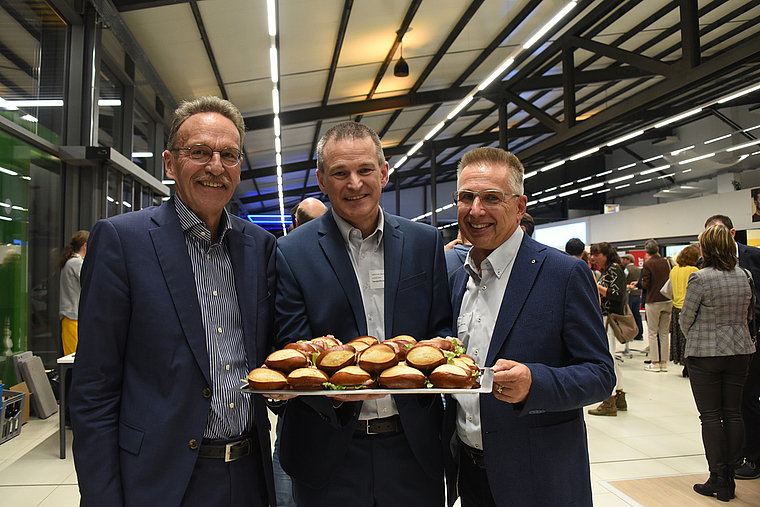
x=679, y=279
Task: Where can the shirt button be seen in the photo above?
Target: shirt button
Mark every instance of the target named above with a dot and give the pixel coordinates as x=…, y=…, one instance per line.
x=483, y=287
x=469, y=418
x=208, y=256
x=203, y=233
x=232, y=405
x=480, y=319
x=477, y=446
x=364, y=255
x=219, y=329
x=475, y=352
x=215, y=293
x=227, y=367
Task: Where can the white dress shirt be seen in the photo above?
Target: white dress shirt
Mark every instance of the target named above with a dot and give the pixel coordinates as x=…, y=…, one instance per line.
x=368, y=259
x=477, y=317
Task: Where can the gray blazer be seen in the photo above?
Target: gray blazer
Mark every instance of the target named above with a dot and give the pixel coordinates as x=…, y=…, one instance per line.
x=714, y=313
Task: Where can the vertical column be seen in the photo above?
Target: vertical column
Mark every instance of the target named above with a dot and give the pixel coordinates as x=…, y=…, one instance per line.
x=568, y=82
x=433, y=187
x=503, y=128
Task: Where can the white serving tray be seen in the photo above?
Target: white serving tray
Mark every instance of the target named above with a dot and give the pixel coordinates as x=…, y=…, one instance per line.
x=486, y=384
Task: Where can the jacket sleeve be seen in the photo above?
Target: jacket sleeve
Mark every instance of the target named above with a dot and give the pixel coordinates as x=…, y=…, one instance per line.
x=694, y=292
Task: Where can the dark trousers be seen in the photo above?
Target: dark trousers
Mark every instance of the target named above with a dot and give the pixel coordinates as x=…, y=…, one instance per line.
x=717, y=384
x=751, y=411
x=378, y=470
x=474, y=490
x=634, y=302
x=215, y=483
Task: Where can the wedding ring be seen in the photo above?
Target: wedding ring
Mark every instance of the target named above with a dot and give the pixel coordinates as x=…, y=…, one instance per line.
x=499, y=389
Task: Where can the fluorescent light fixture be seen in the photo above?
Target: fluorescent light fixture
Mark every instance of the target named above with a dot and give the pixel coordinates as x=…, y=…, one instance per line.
x=622, y=178
x=666, y=176
x=277, y=125
x=678, y=118
x=626, y=167
x=751, y=128
x=625, y=138
x=273, y=64
x=276, y=100
x=745, y=145
x=271, y=18
x=686, y=171
x=651, y=159
x=718, y=138
x=498, y=72
x=107, y=102
x=4, y=104
x=435, y=130
x=547, y=199
x=168, y=182
x=552, y=166
x=7, y=219
x=681, y=150
x=587, y=195
x=584, y=153
x=569, y=192
x=278, y=158
x=142, y=154
x=401, y=162
x=550, y=189
x=585, y=179
x=566, y=184
x=644, y=181
x=415, y=148
x=595, y=185
x=461, y=106
x=605, y=173
x=623, y=186
x=756, y=153
x=531, y=203
x=603, y=191
x=739, y=94
x=530, y=175
x=654, y=170
x=277, y=145
x=127, y=204
x=701, y=157
x=8, y=171
x=548, y=26
x=15, y=104
x=29, y=118
x=743, y=157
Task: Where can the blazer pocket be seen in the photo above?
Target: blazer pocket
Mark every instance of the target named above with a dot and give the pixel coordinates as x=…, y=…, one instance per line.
x=412, y=281
x=130, y=439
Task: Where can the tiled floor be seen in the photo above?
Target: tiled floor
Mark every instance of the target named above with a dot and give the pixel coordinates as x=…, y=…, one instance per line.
x=658, y=436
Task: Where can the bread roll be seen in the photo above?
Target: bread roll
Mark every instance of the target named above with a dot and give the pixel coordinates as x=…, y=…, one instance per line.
x=425, y=357
x=307, y=348
x=307, y=379
x=286, y=360
x=451, y=376
x=401, y=376
x=267, y=379
x=352, y=376
x=335, y=358
x=377, y=358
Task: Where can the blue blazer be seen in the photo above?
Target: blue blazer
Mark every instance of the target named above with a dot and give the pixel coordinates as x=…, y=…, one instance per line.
x=141, y=385
x=318, y=294
x=536, y=451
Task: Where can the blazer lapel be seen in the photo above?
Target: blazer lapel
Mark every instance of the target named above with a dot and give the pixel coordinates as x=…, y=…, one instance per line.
x=171, y=251
x=393, y=240
x=334, y=248
x=242, y=250
x=524, y=271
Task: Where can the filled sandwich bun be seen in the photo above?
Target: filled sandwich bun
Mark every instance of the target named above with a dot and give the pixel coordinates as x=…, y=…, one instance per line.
x=425, y=357
x=307, y=348
x=286, y=360
x=326, y=341
x=451, y=376
x=401, y=376
x=335, y=358
x=466, y=362
x=267, y=379
x=307, y=379
x=377, y=358
x=369, y=340
x=353, y=376
x=398, y=347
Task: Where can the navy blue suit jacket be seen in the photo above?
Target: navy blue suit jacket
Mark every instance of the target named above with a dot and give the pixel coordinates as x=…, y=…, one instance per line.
x=550, y=320
x=318, y=294
x=141, y=380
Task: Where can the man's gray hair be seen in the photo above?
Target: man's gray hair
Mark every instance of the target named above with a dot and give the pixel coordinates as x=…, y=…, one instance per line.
x=499, y=157
x=652, y=247
x=205, y=104
x=348, y=130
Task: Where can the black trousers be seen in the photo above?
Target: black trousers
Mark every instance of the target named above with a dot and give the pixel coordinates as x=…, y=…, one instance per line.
x=717, y=384
x=751, y=411
x=474, y=490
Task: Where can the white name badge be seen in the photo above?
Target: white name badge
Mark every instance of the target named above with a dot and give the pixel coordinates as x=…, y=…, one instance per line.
x=376, y=279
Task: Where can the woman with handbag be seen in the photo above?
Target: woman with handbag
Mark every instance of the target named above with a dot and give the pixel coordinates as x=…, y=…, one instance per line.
x=719, y=300
x=612, y=289
x=679, y=278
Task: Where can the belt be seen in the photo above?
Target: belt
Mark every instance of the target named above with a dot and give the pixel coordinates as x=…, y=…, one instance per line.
x=228, y=452
x=385, y=426
x=476, y=455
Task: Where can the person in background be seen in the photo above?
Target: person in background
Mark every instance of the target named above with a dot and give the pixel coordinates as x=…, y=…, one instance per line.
x=749, y=258
x=177, y=306
x=70, y=263
x=532, y=314
x=719, y=348
x=632, y=273
x=612, y=288
x=358, y=271
x=455, y=253
x=679, y=278
x=307, y=210
x=528, y=224
x=654, y=274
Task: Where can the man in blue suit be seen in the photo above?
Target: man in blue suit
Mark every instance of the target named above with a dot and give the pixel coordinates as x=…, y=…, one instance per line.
x=356, y=271
x=177, y=306
x=532, y=313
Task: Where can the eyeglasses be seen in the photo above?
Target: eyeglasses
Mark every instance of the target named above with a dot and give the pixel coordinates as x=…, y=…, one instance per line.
x=201, y=154
x=488, y=198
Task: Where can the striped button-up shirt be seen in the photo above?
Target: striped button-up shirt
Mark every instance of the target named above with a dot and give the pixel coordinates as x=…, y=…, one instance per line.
x=231, y=414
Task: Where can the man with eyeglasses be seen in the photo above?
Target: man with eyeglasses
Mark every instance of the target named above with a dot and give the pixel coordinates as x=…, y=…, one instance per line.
x=532, y=314
x=176, y=308
x=356, y=271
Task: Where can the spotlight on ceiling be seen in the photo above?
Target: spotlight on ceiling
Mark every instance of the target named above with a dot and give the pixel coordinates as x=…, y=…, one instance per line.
x=401, y=69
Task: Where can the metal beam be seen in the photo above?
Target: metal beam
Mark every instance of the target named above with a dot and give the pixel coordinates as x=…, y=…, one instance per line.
x=207, y=45
x=621, y=55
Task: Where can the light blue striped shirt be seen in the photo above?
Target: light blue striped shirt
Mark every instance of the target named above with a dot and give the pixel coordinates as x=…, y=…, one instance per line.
x=231, y=413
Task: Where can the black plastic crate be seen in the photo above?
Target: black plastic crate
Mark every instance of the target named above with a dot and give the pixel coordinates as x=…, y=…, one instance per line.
x=11, y=414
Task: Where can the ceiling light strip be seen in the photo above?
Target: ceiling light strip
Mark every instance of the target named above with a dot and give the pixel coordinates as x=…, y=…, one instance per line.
x=275, y=75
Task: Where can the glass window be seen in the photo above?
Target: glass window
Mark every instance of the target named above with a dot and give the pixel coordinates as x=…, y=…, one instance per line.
x=126, y=194
x=146, y=198
x=32, y=62
x=112, y=193
x=142, y=140
x=110, y=109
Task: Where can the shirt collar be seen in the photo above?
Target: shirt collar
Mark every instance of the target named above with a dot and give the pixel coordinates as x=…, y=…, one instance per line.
x=498, y=260
x=194, y=226
x=346, y=229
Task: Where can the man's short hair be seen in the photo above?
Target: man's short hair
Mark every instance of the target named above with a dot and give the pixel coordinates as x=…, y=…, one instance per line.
x=630, y=257
x=348, y=130
x=652, y=247
x=575, y=247
x=205, y=104
x=499, y=157
x=723, y=219
x=529, y=224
